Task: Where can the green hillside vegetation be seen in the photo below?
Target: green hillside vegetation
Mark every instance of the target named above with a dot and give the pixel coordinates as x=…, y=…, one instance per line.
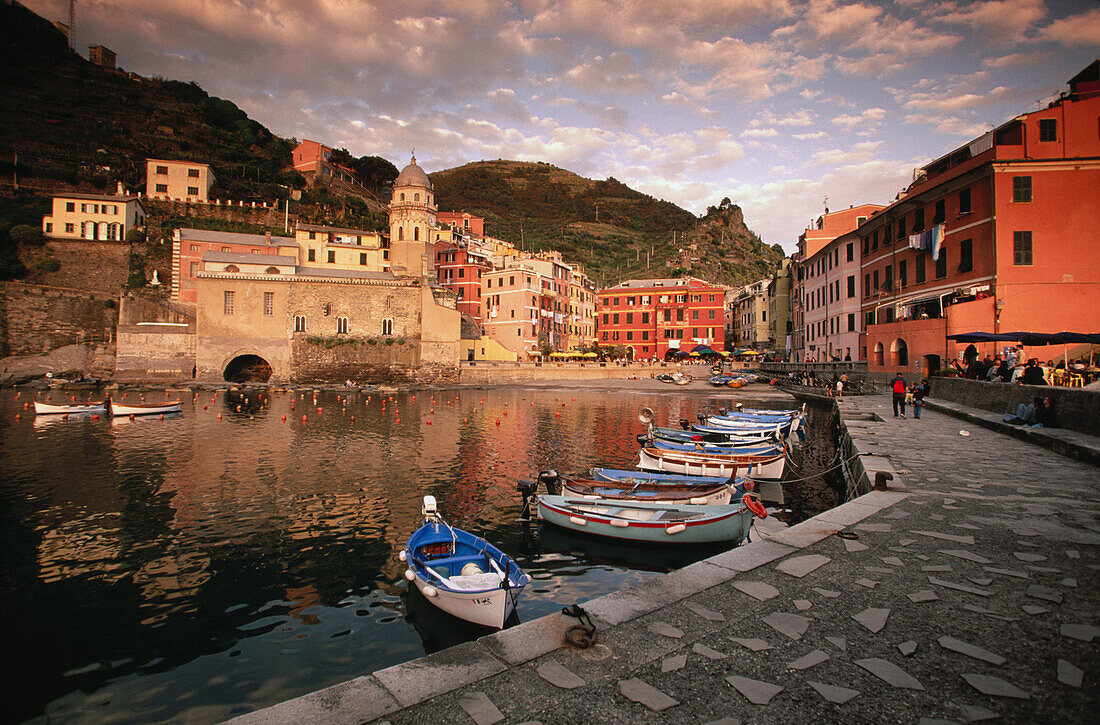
x=606, y=226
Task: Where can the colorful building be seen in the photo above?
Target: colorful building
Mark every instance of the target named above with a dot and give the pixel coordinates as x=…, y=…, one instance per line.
x=178, y=180
x=467, y=224
x=750, y=322
x=340, y=248
x=653, y=317
x=190, y=247
x=95, y=217
x=459, y=266
x=998, y=235
x=512, y=304
x=311, y=160
x=828, y=323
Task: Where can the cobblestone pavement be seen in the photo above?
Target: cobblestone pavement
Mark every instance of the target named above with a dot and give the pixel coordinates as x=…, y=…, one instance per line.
x=968, y=595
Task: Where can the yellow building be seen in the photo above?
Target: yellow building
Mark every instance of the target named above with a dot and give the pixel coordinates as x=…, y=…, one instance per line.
x=178, y=180
x=338, y=248
x=93, y=217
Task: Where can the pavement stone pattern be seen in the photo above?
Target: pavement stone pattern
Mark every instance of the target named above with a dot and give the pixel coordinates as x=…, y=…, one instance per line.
x=995, y=636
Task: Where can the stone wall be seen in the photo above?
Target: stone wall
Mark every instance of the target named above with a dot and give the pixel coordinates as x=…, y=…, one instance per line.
x=1078, y=409
x=270, y=216
x=36, y=319
x=153, y=352
x=491, y=373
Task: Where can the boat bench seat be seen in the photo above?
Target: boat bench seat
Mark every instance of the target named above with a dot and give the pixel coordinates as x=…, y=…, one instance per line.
x=455, y=563
x=475, y=582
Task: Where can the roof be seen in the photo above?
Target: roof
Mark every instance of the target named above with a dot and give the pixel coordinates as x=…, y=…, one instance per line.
x=358, y=274
x=99, y=197
x=177, y=161
x=412, y=175
x=238, y=257
x=336, y=230
x=206, y=235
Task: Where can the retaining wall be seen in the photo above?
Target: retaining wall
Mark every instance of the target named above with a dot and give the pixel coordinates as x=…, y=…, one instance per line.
x=1078, y=409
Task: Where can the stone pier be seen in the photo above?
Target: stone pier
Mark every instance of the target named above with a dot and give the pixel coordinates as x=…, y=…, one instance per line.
x=966, y=592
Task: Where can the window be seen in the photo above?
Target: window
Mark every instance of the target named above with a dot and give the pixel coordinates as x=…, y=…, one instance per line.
x=870, y=318
x=1021, y=249
x=387, y=326
x=680, y=315
x=192, y=191
x=851, y=322
x=851, y=285
x=311, y=255
x=194, y=269
x=668, y=315
x=903, y=273
x=162, y=170
x=332, y=256
x=866, y=285
x=918, y=272
x=229, y=298
x=901, y=229
x=70, y=228
x=162, y=188
x=1021, y=189
x=615, y=318
x=889, y=315
x=362, y=258
x=341, y=325
x=1048, y=129
x=918, y=220
x=416, y=234
x=70, y=206
x=874, y=240
x=194, y=247
x=941, y=212
x=888, y=282
x=964, y=201
x=851, y=251
x=966, y=255
x=193, y=173
x=299, y=323
x=941, y=264
x=269, y=304
x=629, y=335
x=874, y=280
x=271, y=270
x=605, y=318
x=695, y=314
x=232, y=268
x=630, y=318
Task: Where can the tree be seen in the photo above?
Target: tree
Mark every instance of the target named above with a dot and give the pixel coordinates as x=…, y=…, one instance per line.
x=341, y=156
x=290, y=177
x=374, y=171
x=26, y=235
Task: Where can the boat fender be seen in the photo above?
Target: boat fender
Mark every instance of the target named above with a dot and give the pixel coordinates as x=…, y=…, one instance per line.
x=591, y=496
x=752, y=503
x=698, y=501
x=675, y=529
x=409, y=574
x=428, y=590
x=577, y=520
x=620, y=523
x=402, y=555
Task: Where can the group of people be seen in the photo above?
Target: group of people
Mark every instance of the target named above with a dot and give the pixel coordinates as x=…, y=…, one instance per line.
x=904, y=393
x=1007, y=368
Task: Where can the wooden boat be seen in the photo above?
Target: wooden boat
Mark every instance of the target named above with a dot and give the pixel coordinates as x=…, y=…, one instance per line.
x=41, y=408
x=676, y=378
x=764, y=449
x=771, y=491
x=699, y=494
x=660, y=523
x=461, y=573
x=706, y=464
x=145, y=408
x=723, y=440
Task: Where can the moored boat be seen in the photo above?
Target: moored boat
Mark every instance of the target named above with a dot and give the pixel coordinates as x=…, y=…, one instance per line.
x=690, y=492
x=706, y=464
x=724, y=440
x=41, y=408
x=770, y=490
x=145, y=408
x=461, y=573
x=661, y=523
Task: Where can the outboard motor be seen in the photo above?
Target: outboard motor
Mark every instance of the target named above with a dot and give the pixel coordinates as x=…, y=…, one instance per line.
x=685, y=424
x=702, y=418
x=723, y=411
x=551, y=480
x=527, y=489
x=642, y=438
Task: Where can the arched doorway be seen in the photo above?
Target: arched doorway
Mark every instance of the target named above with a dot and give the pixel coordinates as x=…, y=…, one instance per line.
x=931, y=364
x=247, y=369
x=878, y=359
x=899, y=353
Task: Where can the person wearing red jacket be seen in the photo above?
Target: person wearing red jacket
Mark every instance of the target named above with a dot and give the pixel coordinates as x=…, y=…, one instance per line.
x=899, y=387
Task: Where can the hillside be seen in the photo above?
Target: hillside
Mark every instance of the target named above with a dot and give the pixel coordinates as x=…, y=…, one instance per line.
x=606, y=226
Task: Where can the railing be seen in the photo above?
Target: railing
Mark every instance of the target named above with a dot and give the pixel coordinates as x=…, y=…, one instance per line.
x=855, y=370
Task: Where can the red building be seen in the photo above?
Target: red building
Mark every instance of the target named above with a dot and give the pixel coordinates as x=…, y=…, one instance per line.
x=189, y=246
x=459, y=266
x=311, y=160
x=655, y=316
x=999, y=235
x=463, y=222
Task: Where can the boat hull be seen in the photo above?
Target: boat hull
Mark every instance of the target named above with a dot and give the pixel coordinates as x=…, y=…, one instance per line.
x=770, y=491
x=690, y=464
x=41, y=408
x=153, y=409
x=704, y=525
x=687, y=492
x=486, y=609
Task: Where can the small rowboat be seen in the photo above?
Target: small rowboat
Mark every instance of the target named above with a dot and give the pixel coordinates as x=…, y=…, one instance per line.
x=145, y=408
x=724, y=440
x=770, y=491
x=706, y=464
x=698, y=494
x=763, y=449
x=41, y=408
x=661, y=523
x=461, y=573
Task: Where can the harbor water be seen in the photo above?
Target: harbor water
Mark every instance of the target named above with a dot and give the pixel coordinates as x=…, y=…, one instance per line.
x=196, y=567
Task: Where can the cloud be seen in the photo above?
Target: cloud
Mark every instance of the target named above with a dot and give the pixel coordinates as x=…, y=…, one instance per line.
x=862, y=151
x=759, y=133
x=867, y=118
x=950, y=125
x=809, y=136
x=1082, y=29
x=993, y=19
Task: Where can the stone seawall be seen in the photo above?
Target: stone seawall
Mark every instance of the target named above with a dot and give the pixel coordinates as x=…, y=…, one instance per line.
x=511, y=373
x=36, y=319
x=148, y=353
x=1078, y=409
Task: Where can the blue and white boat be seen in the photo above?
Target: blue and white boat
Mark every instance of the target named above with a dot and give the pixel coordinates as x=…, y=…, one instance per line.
x=635, y=476
x=723, y=440
x=461, y=573
x=659, y=523
x=701, y=447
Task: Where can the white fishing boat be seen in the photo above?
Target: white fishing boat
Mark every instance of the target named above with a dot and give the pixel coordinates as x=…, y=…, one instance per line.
x=41, y=408
x=145, y=408
x=690, y=463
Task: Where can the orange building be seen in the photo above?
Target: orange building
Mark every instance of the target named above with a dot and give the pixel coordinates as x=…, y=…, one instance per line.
x=311, y=160
x=999, y=235
x=190, y=245
x=653, y=317
x=459, y=265
x=462, y=222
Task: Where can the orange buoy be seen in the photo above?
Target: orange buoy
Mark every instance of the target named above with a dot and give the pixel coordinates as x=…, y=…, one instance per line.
x=498, y=421
x=353, y=419
x=204, y=407
x=284, y=418
x=397, y=421
x=238, y=409
x=304, y=419
x=17, y=416
x=219, y=416
x=429, y=421
x=65, y=416
x=505, y=413
x=432, y=410
x=318, y=411
x=160, y=417
x=557, y=415
x=95, y=416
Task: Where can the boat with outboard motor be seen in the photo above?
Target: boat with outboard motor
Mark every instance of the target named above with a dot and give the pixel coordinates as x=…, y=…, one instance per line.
x=699, y=493
x=770, y=466
x=461, y=573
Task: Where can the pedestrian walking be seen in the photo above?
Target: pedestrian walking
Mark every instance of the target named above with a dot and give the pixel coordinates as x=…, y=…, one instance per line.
x=919, y=391
x=899, y=388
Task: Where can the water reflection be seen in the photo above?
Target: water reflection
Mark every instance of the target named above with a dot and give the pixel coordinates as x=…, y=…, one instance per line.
x=244, y=552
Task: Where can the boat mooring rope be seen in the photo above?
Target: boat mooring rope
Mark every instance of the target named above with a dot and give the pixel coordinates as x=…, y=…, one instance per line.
x=583, y=635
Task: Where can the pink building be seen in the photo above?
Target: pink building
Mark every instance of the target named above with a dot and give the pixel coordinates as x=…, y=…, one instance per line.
x=311, y=160
x=189, y=246
x=463, y=222
x=512, y=302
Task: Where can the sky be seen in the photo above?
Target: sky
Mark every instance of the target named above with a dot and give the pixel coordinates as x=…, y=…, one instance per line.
x=776, y=104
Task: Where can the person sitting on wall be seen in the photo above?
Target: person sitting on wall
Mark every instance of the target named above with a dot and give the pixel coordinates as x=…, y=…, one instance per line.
x=1045, y=415
x=1033, y=374
x=1025, y=413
